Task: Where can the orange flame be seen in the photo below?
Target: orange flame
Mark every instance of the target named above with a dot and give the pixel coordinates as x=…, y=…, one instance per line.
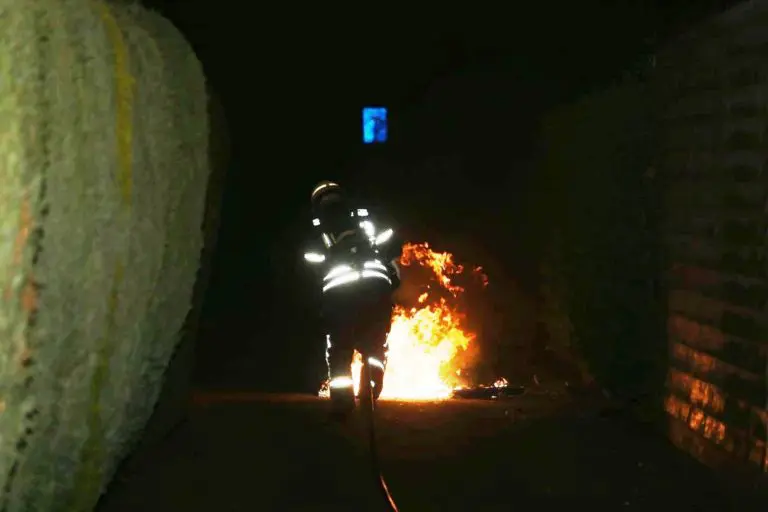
x=425, y=343
x=441, y=263
x=423, y=347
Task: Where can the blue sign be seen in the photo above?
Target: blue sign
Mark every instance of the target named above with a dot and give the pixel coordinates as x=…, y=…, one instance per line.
x=374, y=125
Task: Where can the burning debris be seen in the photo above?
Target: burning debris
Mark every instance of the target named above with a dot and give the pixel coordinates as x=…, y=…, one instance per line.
x=428, y=343
x=499, y=389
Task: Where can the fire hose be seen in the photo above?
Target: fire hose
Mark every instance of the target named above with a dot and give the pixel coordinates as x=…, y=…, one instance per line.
x=369, y=409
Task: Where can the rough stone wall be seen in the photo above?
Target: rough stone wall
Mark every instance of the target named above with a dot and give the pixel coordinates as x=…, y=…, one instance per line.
x=104, y=167
x=171, y=408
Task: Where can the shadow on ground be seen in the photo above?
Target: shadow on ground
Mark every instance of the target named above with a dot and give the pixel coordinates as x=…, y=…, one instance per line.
x=277, y=452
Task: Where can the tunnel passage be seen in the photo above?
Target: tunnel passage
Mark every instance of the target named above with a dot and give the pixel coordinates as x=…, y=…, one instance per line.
x=104, y=172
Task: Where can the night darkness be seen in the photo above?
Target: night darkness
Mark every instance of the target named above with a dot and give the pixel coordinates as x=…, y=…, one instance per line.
x=464, y=99
x=497, y=121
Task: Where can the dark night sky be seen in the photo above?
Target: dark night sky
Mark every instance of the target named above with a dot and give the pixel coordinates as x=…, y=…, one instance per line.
x=464, y=89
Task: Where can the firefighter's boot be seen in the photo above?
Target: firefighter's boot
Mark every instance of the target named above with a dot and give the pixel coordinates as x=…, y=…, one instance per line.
x=376, y=368
x=342, y=397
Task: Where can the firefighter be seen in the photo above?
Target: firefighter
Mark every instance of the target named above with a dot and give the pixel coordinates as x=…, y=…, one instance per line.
x=358, y=267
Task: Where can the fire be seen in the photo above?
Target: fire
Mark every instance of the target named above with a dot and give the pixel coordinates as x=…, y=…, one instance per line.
x=423, y=344
x=426, y=342
x=441, y=264
x=501, y=383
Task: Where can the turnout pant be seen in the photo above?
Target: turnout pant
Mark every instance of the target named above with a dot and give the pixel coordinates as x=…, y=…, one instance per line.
x=357, y=318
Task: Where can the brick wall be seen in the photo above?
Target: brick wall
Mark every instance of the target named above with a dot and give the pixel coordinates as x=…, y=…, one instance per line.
x=712, y=87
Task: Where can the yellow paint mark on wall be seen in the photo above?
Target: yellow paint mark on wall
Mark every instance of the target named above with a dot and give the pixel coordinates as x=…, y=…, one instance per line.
x=90, y=472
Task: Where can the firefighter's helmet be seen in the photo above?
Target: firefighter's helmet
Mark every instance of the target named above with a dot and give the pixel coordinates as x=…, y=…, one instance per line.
x=324, y=191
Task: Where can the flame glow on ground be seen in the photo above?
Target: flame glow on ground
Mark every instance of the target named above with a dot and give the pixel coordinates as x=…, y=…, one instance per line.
x=426, y=342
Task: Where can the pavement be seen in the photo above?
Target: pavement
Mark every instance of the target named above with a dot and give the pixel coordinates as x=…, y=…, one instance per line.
x=244, y=451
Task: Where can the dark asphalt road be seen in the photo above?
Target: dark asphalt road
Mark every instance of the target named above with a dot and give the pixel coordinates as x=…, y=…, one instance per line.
x=254, y=452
